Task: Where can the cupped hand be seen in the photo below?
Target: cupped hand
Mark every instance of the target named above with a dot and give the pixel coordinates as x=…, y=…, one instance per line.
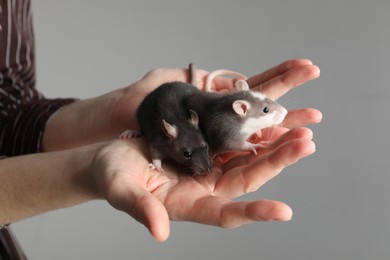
x=124, y=179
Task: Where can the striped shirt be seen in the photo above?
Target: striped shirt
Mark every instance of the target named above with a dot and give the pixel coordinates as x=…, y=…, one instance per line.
x=23, y=109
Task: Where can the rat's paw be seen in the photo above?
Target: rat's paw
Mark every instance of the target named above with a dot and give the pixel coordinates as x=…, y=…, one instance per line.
x=156, y=165
x=253, y=147
x=129, y=134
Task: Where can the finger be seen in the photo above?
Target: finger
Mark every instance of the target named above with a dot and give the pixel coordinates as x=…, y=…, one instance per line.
x=277, y=71
x=165, y=75
x=158, y=76
x=223, y=83
x=152, y=213
x=291, y=135
x=302, y=117
x=278, y=86
x=239, y=213
x=224, y=213
x=142, y=206
x=219, y=83
x=249, y=177
x=209, y=86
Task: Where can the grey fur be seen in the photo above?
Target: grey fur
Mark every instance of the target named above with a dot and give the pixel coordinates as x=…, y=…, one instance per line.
x=166, y=103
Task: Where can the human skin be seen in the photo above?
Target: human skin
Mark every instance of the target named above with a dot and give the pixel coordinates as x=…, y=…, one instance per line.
x=118, y=170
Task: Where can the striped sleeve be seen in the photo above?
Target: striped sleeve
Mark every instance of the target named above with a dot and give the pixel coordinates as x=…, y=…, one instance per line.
x=23, y=110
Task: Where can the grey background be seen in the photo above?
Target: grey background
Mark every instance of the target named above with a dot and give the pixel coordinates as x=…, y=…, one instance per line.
x=339, y=195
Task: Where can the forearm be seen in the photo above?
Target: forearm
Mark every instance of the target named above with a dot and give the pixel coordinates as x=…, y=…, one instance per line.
x=82, y=122
x=33, y=184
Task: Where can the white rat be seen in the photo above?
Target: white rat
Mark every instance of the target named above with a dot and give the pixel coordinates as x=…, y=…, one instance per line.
x=228, y=120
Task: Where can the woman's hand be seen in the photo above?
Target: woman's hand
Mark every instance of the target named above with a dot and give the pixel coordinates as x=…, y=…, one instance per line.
x=105, y=117
x=126, y=182
x=119, y=172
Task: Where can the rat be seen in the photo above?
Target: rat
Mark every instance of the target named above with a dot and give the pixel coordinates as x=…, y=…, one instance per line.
x=182, y=123
x=227, y=120
x=172, y=130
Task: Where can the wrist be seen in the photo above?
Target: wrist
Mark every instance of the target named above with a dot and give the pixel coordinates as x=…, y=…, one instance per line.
x=46, y=181
x=83, y=178
x=80, y=123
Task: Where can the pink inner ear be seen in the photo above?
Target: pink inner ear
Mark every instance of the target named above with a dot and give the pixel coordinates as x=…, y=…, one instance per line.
x=169, y=130
x=244, y=108
x=241, y=107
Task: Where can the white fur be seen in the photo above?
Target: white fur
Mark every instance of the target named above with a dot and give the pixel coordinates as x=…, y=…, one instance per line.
x=258, y=95
x=279, y=117
x=156, y=165
x=253, y=125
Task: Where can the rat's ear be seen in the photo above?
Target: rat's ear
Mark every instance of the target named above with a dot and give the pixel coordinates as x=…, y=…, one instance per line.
x=241, y=85
x=241, y=107
x=169, y=130
x=194, y=118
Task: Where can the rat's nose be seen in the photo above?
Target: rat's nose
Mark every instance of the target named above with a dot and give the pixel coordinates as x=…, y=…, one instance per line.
x=279, y=117
x=207, y=168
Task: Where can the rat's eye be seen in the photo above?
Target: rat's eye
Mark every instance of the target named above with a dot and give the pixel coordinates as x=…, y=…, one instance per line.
x=187, y=154
x=266, y=110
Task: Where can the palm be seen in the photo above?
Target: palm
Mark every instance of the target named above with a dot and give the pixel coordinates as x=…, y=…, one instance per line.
x=207, y=199
x=153, y=197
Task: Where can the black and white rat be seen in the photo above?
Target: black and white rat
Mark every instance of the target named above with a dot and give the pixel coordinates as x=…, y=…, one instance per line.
x=172, y=130
x=228, y=120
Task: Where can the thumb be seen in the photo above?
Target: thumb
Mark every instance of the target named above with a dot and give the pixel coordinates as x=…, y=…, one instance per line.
x=144, y=207
x=151, y=212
